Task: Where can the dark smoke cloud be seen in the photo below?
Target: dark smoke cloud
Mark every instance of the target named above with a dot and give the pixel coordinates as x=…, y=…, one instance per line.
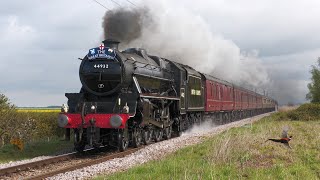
x=125, y=25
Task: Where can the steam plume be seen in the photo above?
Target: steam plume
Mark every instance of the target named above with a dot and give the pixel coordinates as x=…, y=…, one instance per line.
x=173, y=32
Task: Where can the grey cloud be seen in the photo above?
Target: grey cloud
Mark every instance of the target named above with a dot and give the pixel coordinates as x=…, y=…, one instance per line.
x=44, y=60
x=290, y=75
x=38, y=67
x=272, y=27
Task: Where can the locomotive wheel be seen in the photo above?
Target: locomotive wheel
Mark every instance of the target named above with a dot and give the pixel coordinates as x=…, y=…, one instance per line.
x=168, y=132
x=198, y=119
x=123, y=140
x=147, y=136
x=136, y=137
x=226, y=118
x=157, y=135
x=97, y=146
x=79, y=145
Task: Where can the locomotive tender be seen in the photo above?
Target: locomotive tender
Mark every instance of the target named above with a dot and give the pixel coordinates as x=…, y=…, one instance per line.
x=130, y=98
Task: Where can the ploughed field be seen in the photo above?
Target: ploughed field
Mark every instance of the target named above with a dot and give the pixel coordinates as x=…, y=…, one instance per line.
x=243, y=152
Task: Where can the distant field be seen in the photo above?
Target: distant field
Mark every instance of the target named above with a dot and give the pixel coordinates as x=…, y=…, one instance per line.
x=38, y=109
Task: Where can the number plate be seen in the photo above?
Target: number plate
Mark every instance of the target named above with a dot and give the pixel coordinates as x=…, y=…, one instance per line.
x=101, y=66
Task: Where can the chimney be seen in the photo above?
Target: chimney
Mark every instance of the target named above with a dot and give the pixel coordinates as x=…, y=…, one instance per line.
x=111, y=43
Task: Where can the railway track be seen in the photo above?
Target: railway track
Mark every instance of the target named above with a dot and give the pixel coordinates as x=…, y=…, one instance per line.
x=14, y=171
x=11, y=172
x=35, y=164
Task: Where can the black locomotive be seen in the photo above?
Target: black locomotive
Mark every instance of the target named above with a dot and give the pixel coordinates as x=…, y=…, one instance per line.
x=130, y=98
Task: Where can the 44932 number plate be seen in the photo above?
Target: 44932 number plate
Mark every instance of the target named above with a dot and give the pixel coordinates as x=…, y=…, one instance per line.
x=101, y=66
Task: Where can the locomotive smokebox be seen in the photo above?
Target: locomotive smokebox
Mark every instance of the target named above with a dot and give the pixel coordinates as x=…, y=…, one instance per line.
x=111, y=43
x=101, y=71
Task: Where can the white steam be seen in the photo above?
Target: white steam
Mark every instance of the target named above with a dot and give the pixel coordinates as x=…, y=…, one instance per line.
x=205, y=127
x=181, y=35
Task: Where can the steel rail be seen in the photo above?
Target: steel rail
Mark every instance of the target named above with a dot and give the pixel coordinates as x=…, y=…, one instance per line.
x=84, y=164
x=26, y=166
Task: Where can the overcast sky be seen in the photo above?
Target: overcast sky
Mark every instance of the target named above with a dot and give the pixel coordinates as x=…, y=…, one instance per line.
x=40, y=42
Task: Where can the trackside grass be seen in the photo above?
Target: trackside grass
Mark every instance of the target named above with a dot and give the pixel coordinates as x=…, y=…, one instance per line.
x=33, y=149
x=243, y=153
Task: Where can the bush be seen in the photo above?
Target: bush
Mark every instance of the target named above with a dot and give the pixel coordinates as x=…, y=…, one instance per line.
x=280, y=116
x=26, y=126
x=44, y=124
x=306, y=112
x=9, y=121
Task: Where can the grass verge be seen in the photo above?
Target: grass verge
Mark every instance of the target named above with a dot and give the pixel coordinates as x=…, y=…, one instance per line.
x=42, y=147
x=242, y=153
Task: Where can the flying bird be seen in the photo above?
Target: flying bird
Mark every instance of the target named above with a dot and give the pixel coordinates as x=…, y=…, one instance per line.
x=284, y=137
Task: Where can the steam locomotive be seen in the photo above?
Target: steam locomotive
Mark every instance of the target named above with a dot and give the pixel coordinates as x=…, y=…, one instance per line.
x=129, y=98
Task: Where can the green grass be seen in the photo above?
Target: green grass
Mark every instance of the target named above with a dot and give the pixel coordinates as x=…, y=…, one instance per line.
x=242, y=153
x=42, y=147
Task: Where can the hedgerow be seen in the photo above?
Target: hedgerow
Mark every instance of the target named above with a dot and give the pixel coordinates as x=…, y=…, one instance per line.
x=305, y=112
x=26, y=126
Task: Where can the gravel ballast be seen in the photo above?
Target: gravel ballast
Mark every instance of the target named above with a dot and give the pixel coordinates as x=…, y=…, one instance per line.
x=15, y=163
x=39, y=158
x=154, y=151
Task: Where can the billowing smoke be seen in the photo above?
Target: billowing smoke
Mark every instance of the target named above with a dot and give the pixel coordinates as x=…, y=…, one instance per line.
x=174, y=32
x=125, y=25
